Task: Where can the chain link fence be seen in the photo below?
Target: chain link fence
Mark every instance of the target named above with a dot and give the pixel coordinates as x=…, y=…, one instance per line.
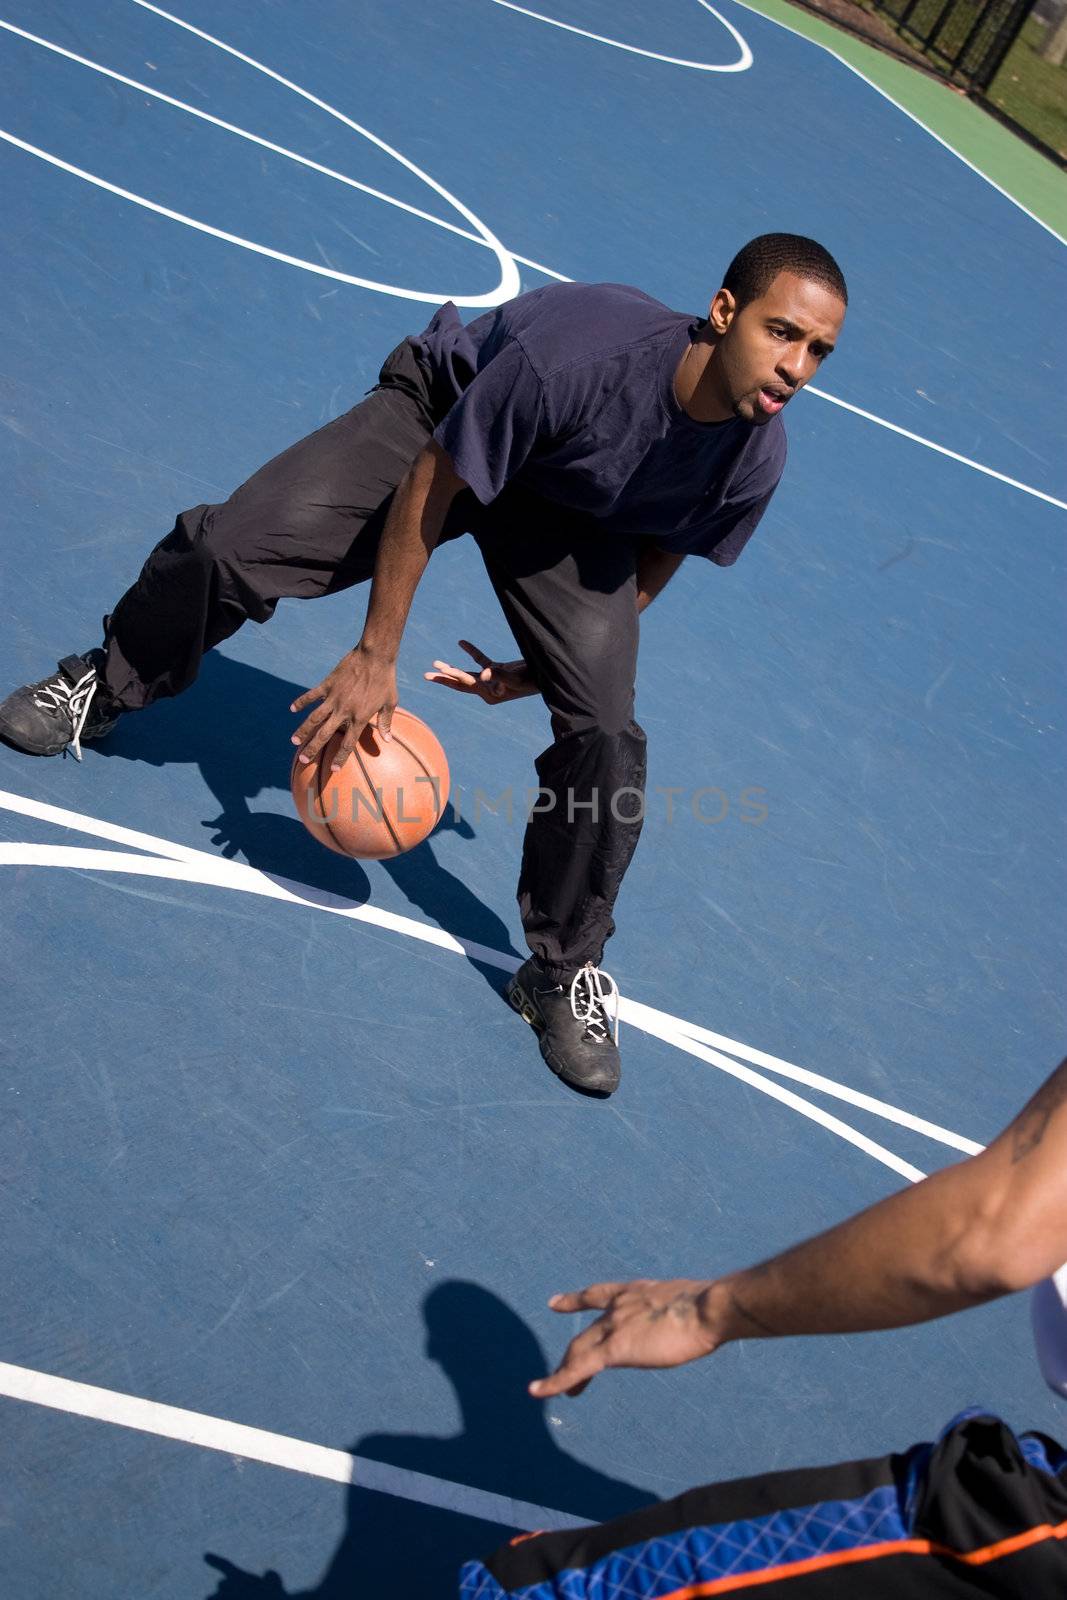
x=1006, y=53
x=1009, y=55
x=1029, y=88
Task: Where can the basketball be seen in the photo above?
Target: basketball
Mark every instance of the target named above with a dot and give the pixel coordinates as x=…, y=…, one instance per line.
x=387, y=798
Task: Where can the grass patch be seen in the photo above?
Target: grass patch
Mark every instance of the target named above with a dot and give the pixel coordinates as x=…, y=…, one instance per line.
x=1031, y=91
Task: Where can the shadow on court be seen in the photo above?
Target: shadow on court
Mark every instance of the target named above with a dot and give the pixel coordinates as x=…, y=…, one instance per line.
x=234, y=724
x=409, y=1550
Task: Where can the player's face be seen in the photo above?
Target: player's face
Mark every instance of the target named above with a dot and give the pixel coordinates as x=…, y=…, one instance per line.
x=773, y=346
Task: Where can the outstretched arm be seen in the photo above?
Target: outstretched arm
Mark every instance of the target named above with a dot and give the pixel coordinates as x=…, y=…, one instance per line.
x=990, y=1225
x=363, y=684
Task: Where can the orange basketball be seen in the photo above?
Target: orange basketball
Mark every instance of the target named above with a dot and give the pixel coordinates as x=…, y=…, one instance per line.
x=386, y=799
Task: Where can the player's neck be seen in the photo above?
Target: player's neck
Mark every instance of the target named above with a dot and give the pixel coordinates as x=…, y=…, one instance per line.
x=695, y=388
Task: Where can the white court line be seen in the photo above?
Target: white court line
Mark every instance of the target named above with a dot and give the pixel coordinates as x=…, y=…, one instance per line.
x=919, y=123
x=508, y=286
x=651, y=1020
x=742, y=64
x=942, y=450
x=503, y=290
x=1014, y=483
x=272, y=1449
x=242, y=133
x=433, y=297
x=235, y=875
x=776, y=1091
x=183, y=862
x=269, y=144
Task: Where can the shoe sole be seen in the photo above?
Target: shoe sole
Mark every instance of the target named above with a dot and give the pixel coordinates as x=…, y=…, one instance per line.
x=531, y=1013
x=13, y=742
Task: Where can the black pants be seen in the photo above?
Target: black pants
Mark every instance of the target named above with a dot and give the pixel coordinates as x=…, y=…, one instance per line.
x=309, y=523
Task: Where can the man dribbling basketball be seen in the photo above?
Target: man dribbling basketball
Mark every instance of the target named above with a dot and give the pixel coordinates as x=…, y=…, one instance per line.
x=589, y=438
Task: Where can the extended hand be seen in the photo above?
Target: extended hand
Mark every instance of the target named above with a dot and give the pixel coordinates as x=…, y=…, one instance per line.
x=497, y=681
x=360, y=687
x=644, y=1324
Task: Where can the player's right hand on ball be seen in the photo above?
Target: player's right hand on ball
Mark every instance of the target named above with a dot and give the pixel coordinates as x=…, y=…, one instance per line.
x=359, y=688
x=496, y=682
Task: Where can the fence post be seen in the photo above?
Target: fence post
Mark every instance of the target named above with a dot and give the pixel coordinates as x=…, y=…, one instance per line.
x=991, y=63
x=1054, y=48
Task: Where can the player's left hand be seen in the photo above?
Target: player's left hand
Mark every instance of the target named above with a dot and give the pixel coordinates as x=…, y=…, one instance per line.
x=496, y=682
x=647, y=1323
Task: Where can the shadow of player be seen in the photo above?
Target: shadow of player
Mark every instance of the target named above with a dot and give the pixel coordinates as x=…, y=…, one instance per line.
x=411, y=1551
x=234, y=724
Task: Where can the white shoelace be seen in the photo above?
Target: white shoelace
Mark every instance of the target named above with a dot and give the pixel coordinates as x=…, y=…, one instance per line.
x=595, y=1001
x=73, y=698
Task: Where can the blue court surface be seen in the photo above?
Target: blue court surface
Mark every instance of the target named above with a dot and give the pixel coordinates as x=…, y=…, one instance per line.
x=277, y=1156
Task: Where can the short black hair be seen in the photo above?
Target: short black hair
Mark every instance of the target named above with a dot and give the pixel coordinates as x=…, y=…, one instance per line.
x=755, y=266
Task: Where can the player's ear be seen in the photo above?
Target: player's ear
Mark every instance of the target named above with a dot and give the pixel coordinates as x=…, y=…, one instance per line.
x=721, y=312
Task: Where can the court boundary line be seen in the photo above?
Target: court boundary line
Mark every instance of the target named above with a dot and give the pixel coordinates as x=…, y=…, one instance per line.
x=741, y=65
x=251, y=881
x=245, y=1443
x=931, y=444
x=507, y=259
x=167, y=859
x=509, y=277
x=241, y=133
x=919, y=123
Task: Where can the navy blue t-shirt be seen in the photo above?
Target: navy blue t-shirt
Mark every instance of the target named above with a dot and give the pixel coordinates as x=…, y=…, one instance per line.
x=563, y=405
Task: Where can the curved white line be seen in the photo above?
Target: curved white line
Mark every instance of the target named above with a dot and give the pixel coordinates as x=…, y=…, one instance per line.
x=508, y=286
x=509, y=275
x=269, y=144
x=494, y=298
x=640, y=1016
x=242, y=133
x=919, y=123
x=742, y=64
x=219, y=873
x=185, y=863
x=329, y=272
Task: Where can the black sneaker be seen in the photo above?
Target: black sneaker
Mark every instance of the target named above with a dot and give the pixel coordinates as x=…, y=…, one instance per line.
x=578, y=1023
x=57, y=714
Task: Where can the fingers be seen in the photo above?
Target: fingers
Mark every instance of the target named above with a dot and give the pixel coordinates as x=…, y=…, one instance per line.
x=452, y=678
x=580, y=1365
x=584, y=1357
x=309, y=697
x=596, y=1298
x=479, y=655
x=385, y=722
x=313, y=733
x=346, y=747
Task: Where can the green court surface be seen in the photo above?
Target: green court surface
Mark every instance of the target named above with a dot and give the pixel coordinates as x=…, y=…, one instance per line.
x=1029, y=177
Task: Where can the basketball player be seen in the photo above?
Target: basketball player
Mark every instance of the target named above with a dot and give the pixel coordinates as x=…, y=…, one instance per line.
x=589, y=438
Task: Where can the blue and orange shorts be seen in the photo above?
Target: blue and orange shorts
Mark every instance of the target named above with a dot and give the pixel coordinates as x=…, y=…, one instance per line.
x=981, y=1511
